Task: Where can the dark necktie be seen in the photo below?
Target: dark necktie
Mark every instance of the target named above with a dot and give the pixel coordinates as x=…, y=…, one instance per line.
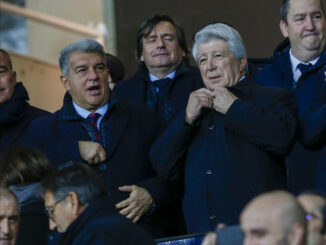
x=157, y=100
x=93, y=120
x=304, y=67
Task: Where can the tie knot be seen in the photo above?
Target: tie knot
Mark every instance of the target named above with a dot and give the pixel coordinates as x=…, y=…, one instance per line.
x=93, y=117
x=160, y=83
x=304, y=67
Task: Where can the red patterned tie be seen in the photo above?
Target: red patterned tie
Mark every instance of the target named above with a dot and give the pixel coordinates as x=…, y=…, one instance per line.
x=93, y=119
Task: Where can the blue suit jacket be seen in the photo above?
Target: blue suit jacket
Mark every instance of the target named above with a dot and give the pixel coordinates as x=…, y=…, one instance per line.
x=129, y=132
x=229, y=158
x=301, y=162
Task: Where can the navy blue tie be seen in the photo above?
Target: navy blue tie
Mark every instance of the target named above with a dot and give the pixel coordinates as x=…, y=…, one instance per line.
x=157, y=100
x=304, y=67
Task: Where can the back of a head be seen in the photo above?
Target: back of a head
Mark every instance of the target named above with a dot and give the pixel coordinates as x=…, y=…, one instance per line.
x=147, y=26
x=21, y=165
x=116, y=68
x=78, y=178
x=276, y=214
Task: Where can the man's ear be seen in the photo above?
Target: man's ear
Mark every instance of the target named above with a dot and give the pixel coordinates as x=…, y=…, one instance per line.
x=73, y=202
x=243, y=63
x=14, y=77
x=284, y=28
x=65, y=82
x=296, y=235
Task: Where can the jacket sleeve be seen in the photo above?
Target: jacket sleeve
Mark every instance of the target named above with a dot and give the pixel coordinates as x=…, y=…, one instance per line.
x=39, y=136
x=273, y=128
x=313, y=122
x=168, y=151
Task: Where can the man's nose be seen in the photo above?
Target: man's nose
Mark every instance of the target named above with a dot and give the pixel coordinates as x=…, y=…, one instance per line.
x=310, y=24
x=211, y=64
x=160, y=41
x=5, y=226
x=92, y=74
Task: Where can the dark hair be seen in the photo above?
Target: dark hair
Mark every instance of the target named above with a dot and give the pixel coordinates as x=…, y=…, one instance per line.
x=22, y=165
x=78, y=178
x=285, y=7
x=6, y=54
x=147, y=27
x=116, y=68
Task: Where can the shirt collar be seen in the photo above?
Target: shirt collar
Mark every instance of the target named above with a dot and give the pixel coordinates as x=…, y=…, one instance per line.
x=153, y=78
x=295, y=62
x=84, y=113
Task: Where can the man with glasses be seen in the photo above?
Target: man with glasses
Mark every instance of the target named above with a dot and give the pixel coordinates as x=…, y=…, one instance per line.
x=77, y=205
x=9, y=217
x=313, y=202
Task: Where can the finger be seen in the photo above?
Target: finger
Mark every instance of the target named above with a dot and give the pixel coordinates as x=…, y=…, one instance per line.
x=102, y=155
x=126, y=211
x=133, y=214
x=137, y=217
x=126, y=188
x=205, y=102
x=123, y=203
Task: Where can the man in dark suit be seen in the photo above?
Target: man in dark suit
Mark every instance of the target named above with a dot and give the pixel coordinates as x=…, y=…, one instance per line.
x=299, y=66
x=164, y=80
x=15, y=112
x=233, y=135
x=115, y=144
x=77, y=205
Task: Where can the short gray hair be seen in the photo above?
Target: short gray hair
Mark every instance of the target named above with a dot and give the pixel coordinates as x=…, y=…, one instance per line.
x=220, y=31
x=82, y=45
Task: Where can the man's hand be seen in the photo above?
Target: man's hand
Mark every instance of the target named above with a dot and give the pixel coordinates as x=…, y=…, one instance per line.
x=92, y=152
x=210, y=239
x=138, y=203
x=223, y=99
x=197, y=100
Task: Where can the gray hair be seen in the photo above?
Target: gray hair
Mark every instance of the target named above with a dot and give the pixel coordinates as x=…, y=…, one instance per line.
x=79, y=178
x=220, y=31
x=82, y=45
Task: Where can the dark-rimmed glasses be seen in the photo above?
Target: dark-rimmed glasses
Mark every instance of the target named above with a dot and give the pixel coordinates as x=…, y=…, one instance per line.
x=49, y=210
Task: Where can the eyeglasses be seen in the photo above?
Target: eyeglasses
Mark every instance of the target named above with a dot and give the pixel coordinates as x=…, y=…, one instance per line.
x=49, y=210
x=310, y=216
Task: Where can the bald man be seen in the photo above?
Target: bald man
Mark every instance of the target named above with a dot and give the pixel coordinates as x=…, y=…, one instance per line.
x=273, y=218
x=313, y=202
x=9, y=217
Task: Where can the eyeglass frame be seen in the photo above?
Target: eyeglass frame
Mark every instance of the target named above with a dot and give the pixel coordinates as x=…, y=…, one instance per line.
x=49, y=211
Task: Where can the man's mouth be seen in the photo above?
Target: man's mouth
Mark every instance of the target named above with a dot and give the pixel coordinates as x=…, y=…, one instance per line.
x=160, y=53
x=94, y=90
x=310, y=34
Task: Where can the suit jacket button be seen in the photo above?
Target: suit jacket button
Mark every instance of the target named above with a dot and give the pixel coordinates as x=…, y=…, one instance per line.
x=208, y=171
